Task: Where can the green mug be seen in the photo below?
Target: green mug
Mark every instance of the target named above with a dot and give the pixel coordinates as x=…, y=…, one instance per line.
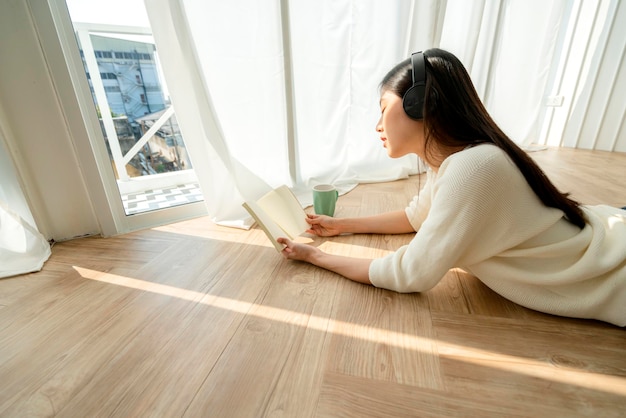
x=324, y=199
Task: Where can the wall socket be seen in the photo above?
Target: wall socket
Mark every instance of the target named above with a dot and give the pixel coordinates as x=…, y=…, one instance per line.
x=554, y=101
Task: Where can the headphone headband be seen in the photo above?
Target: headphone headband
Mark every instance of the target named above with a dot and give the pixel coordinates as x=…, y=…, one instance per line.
x=413, y=100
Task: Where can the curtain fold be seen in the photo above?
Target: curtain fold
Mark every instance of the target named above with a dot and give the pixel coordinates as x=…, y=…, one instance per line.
x=508, y=48
x=22, y=248
x=225, y=182
x=286, y=92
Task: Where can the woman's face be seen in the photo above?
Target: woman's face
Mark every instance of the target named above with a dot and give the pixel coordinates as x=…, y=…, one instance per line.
x=400, y=134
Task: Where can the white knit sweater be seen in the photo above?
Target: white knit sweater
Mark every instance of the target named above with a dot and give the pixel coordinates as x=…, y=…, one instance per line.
x=478, y=213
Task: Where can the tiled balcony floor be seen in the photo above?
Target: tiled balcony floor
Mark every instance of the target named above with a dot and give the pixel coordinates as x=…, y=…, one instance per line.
x=161, y=198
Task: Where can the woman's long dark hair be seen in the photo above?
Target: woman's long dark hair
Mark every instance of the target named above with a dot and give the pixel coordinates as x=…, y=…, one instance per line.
x=454, y=116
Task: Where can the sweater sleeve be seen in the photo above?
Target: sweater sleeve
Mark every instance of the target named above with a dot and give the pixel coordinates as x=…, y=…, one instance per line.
x=418, y=208
x=475, y=200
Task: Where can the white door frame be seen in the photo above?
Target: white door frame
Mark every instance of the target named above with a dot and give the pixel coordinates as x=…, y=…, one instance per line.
x=84, y=127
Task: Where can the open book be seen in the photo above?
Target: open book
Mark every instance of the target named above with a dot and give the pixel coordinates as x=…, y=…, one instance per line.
x=279, y=214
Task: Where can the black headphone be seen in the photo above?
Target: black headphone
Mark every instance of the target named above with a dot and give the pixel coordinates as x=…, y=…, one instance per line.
x=413, y=100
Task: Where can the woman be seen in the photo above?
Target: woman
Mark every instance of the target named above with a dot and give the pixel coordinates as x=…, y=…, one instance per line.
x=486, y=207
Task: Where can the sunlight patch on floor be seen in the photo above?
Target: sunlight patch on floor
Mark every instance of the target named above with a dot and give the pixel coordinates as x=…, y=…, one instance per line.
x=255, y=236
x=484, y=358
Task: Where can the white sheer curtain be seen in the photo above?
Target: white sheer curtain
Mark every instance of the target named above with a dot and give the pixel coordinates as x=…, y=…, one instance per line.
x=510, y=49
x=286, y=92
x=22, y=248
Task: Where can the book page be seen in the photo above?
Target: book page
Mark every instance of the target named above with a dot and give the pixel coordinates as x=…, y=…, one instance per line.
x=286, y=211
x=267, y=224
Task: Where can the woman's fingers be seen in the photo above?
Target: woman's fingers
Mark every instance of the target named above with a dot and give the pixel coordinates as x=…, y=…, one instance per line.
x=288, y=246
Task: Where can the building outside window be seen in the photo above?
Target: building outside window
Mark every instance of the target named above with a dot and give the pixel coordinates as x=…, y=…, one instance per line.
x=129, y=72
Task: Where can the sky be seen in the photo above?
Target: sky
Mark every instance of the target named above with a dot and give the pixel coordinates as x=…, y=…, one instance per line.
x=113, y=12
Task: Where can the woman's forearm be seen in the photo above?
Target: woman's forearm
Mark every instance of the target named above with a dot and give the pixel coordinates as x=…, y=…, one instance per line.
x=356, y=269
x=386, y=223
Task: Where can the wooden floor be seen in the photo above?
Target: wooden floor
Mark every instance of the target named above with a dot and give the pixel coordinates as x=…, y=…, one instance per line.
x=196, y=320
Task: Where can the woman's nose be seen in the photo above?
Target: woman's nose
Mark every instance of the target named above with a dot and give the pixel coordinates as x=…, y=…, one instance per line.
x=379, y=125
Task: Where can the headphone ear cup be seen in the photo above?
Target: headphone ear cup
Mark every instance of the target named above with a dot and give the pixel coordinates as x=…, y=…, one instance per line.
x=413, y=101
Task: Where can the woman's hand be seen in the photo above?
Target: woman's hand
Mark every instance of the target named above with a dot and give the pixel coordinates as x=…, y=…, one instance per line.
x=322, y=225
x=297, y=251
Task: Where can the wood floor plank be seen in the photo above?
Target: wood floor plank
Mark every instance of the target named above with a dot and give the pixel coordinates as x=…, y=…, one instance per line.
x=130, y=251
x=383, y=335
x=184, y=331
x=556, y=341
x=546, y=363
x=277, y=350
x=359, y=397
x=460, y=292
x=377, y=333
x=592, y=177
x=117, y=304
x=45, y=348
x=298, y=386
